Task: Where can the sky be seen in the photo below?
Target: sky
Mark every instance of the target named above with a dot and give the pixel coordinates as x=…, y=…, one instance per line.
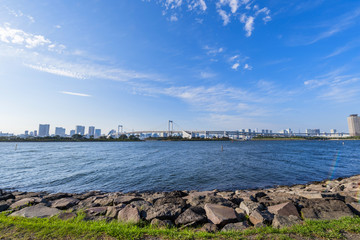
x=205, y=64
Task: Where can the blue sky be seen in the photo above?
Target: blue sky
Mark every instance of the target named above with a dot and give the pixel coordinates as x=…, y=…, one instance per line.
x=205, y=64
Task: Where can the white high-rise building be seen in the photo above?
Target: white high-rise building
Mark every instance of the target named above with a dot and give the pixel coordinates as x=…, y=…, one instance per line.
x=59, y=131
x=91, y=131
x=80, y=130
x=44, y=130
x=97, y=133
x=354, y=125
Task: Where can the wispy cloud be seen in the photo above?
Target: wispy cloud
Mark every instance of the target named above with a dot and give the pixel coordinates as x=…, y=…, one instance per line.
x=19, y=13
x=336, y=86
x=248, y=67
x=249, y=24
x=75, y=94
x=235, y=66
x=346, y=47
x=213, y=51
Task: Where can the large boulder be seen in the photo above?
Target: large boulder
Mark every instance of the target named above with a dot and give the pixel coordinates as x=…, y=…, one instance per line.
x=220, y=215
x=250, y=206
x=126, y=199
x=167, y=211
x=161, y=223
x=3, y=206
x=39, y=211
x=209, y=227
x=6, y=196
x=194, y=215
x=257, y=217
x=55, y=196
x=112, y=212
x=239, y=226
x=325, y=209
x=285, y=221
x=25, y=202
x=129, y=214
x=65, y=203
x=170, y=200
x=284, y=209
x=96, y=211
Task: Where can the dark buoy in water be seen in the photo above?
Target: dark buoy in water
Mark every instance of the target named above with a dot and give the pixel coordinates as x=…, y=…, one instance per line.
x=15, y=147
x=222, y=148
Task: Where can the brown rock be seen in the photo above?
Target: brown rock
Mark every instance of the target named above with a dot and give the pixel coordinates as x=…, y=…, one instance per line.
x=249, y=206
x=220, y=215
x=96, y=211
x=38, y=211
x=129, y=214
x=284, y=209
x=325, y=209
x=112, y=212
x=126, y=199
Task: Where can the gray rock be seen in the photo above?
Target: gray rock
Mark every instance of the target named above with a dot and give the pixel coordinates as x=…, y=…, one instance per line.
x=284, y=209
x=220, y=215
x=38, y=211
x=105, y=201
x=170, y=200
x=161, y=223
x=285, y=221
x=209, y=227
x=129, y=214
x=166, y=211
x=257, y=217
x=55, y=196
x=126, y=199
x=65, y=203
x=112, y=212
x=355, y=207
x=3, y=206
x=239, y=226
x=96, y=211
x=67, y=215
x=25, y=202
x=249, y=206
x=190, y=216
x=6, y=196
x=240, y=214
x=325, y=209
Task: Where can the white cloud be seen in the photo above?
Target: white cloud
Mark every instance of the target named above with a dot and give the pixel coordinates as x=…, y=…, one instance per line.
x=247, y=67
x=213, y=51
x=19, y=37
x=225, y=17
x=19, y=13
x=235, y=66
x=173, y=18
x=58, y=26
x=233, y=58
x=76, y=94
x=197, y=4
x=249, y=24
x=57, y=71
x=206, y=75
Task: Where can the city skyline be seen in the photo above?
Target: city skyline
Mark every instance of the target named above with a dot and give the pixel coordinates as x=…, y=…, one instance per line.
x=205, y=64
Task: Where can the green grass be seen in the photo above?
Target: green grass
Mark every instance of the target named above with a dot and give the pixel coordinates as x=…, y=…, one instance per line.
x=54, y=228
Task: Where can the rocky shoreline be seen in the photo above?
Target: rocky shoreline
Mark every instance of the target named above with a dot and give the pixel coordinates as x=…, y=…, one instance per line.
x=209, y=210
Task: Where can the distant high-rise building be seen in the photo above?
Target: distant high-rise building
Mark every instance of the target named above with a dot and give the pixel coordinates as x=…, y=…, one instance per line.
x=72, y=133
x=26, y=132
x=354, y=125
x=35, y=133
x=44, y=130
x=97, y=133
x=313, y=131
x=333, y=131
x=91, y=131
x=80, y=130
x=59, y=131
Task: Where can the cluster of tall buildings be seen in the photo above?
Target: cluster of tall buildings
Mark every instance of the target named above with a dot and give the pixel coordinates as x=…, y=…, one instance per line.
x=354, y=125
x=44, y=131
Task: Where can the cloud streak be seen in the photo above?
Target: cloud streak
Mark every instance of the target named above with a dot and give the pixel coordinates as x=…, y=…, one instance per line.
x=75, y=94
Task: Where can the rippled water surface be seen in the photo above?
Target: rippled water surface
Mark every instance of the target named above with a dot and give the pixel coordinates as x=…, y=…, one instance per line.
x=166, y=166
